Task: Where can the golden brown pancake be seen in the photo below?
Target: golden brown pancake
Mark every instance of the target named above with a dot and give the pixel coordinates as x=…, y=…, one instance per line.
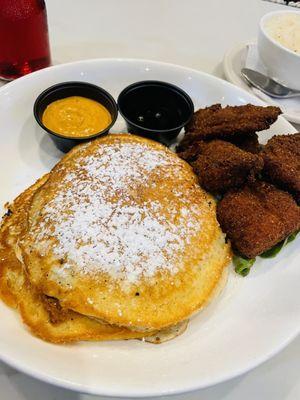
x=14, y=223
x=121, y=231
x=43, y=315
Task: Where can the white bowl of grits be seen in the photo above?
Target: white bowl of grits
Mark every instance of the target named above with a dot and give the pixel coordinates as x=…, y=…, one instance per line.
x=279, y=46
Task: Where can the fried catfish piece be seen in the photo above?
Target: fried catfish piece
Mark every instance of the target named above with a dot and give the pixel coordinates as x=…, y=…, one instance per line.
x=247, y=142
x=191, y=153
x=257, y=217
x=221, y=166
x=282, y=162
x=215, y=122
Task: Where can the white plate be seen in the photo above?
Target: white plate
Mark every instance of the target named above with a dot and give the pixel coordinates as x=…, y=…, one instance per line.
x=254, y=318
x=234, y=61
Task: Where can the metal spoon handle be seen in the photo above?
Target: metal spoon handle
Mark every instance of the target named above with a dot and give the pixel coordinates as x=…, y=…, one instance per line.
x=268, y=85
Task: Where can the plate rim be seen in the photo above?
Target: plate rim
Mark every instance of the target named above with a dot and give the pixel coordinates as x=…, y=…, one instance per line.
x=120, y=60
x=85, y=388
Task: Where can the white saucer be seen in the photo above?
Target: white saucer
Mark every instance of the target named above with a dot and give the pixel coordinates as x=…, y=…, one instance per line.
x=235, y=59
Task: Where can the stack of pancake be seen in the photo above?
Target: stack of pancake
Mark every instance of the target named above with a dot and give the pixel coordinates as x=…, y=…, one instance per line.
x=118, y=241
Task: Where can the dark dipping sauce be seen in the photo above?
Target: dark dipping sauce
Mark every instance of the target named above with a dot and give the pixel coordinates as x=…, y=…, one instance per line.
x=154, y=109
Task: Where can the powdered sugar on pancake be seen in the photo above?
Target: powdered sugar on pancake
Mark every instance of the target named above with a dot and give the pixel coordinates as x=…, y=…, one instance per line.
x=102, y=219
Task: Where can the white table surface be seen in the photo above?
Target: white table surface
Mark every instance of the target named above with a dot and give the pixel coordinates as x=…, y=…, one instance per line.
x=195, y=33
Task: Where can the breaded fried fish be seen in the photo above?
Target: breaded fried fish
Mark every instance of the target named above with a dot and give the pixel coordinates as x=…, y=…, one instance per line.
x=257, y=217
x=282, y=162
x=221, y=166
x=247, y=142
x=217, y=122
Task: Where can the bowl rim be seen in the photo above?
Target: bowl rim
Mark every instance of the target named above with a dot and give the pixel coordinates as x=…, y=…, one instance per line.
x=273, y=41
x=149, y=82
x=45, y=92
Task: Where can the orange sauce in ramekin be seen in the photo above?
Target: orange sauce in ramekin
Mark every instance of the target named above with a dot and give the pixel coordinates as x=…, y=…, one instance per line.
x=76, y=116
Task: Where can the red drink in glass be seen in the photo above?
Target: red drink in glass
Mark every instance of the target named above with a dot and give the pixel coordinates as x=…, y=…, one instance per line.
x=24, y=41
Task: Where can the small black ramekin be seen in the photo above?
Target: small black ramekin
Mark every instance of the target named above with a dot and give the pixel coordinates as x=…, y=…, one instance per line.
x=154, y=109
x=67, y=89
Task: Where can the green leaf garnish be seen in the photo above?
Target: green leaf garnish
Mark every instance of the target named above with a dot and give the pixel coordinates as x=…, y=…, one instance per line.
x=242, y=265
x=292, y=237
